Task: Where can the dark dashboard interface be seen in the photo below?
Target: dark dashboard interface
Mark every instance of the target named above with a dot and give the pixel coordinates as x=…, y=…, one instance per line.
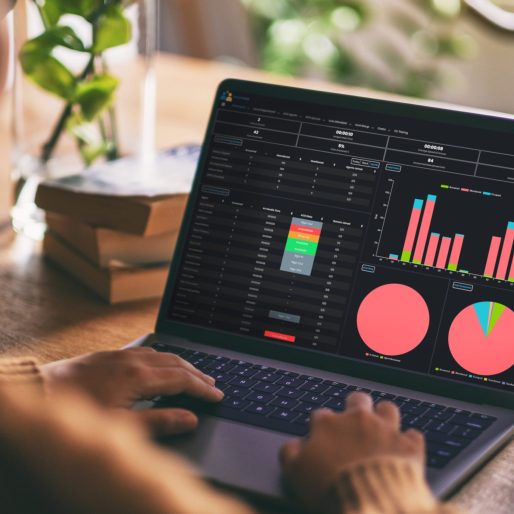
x=375, y=237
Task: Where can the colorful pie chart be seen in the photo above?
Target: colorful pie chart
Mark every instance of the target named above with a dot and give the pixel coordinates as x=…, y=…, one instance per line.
x=481, y=338
x=393, y=319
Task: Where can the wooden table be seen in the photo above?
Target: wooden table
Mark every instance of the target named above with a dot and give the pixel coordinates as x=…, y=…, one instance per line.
x=47, y=314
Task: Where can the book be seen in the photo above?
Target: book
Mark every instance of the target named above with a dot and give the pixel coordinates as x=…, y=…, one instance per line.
x=114, y=285
x=135, y=215
x=109, y=248
x=127, y=195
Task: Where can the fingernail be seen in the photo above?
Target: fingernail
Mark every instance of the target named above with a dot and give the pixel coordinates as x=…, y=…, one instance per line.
x=212, y=380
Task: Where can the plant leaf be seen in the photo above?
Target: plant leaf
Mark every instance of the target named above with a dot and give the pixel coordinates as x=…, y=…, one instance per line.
x=112, y=29
x=55, y=36
x=95, y=95
x=48, y=73
x=51, y=12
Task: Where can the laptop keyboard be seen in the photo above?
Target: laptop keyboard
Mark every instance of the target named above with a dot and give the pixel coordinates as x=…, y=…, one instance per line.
x=283, y=400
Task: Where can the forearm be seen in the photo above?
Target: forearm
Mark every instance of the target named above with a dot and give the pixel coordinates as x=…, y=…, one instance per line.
x=384, y=486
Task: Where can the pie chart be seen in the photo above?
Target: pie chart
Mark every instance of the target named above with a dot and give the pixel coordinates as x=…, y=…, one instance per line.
x=393, y=319
x=481, y=338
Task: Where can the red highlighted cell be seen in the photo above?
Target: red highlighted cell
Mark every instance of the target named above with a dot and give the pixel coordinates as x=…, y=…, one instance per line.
x=278, y=335
x=393, y=319
x=306, y=230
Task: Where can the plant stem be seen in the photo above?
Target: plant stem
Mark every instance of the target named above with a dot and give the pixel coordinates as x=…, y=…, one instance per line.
x=49, y=146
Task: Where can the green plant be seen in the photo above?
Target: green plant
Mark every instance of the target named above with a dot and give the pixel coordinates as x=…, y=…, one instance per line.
x=88, y=112
x=403, y=46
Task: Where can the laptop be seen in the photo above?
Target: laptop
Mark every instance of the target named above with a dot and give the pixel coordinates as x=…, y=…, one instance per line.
x=333, y=244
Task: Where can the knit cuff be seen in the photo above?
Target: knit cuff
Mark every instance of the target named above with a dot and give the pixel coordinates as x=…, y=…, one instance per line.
x=384, y=486
x=23, y=372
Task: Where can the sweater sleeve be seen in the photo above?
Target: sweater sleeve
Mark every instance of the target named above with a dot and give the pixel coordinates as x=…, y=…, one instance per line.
x=384, y=486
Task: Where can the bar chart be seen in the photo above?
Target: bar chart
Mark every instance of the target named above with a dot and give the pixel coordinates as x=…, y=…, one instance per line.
x=429, y=246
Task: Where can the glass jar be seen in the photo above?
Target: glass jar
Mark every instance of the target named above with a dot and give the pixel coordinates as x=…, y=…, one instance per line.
x=83, y=91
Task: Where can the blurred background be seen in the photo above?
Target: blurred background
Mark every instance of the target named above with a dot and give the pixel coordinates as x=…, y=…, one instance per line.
x=452, y=50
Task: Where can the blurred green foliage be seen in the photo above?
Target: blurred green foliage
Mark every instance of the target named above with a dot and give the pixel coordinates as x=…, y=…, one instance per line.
x=88, y=96
x=402, y=46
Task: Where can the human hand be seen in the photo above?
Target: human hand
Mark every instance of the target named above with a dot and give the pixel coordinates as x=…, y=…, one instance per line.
x=117, y=379
x=338, y=440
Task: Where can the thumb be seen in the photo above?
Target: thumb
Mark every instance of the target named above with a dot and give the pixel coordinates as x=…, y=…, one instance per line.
x=163, y=422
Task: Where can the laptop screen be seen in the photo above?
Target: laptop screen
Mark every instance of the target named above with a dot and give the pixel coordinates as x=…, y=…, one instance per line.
x=357, y=233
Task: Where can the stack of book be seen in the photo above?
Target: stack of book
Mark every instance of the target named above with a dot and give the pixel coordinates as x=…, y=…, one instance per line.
x=118, y=245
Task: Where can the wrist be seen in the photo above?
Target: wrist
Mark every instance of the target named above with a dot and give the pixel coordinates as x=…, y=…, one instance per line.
x=387, y=485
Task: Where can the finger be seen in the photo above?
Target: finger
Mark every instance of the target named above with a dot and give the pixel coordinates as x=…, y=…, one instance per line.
x=168, y=421
x=389, y=412
x=359, y=400
x=319, y=414
x=177, y=380
x=416, y=437
x=290, y=451
x=159, y=359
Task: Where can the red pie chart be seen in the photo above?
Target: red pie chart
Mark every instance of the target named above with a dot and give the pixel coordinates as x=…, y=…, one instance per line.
x=393, y=319
x=481, y=338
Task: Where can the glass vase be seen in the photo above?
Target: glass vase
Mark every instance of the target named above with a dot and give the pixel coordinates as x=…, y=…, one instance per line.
x=84, y=92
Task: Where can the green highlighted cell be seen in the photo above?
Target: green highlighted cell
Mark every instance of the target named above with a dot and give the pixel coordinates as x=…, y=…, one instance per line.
x=406, y=256
x=445, y=186
x=452, y=267
x=297, y=245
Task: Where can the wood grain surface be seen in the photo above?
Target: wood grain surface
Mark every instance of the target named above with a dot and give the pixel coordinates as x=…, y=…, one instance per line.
x=49, y=315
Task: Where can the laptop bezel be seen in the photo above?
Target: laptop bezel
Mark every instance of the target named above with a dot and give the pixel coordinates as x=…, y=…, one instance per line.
x=315, y=359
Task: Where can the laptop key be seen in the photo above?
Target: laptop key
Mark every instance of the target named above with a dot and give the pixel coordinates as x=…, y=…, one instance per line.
x=256, y=396
x=335, y=404
x=359, y=389
x=235, y=403
x=290, y=393
x=306, y=407
x=310, y=378
x=436, y=461
x=259, y=420
x=337, y=392
x=448, y=440
x=290, y=382
x=285, y=415
x=285, y=373
x=284, y=403
x=484, y=417
x=382, y=396
x=470, y=433
x=303, y=419
x=266, y=387
x=222, y=377
x=332, y=383
x=317, y=399
x=259, y=408
x=315, y=387
x=243, y=382
x=443, y=451
x=266, y=376
x=238, y=392
x=469, y=422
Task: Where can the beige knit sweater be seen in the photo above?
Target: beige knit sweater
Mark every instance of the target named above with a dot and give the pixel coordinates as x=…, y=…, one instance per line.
x=64, y=455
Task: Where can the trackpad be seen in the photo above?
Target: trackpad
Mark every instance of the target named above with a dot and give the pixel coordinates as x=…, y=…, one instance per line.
x=236, y=455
